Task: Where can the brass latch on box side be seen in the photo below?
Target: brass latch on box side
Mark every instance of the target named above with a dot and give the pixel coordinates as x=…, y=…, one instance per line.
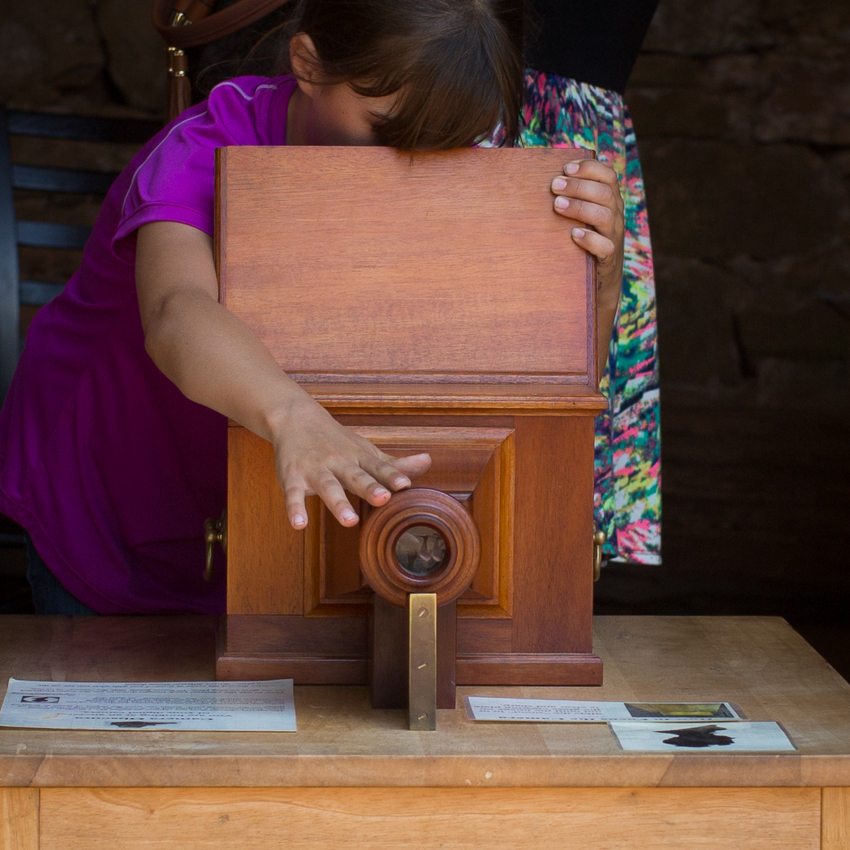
x=599, y=538
x=215, y=531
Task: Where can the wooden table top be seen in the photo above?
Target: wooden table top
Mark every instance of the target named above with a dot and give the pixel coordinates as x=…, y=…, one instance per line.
x=759, y=663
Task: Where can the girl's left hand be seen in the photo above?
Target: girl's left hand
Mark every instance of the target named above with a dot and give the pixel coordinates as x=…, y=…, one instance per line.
x=589, y=192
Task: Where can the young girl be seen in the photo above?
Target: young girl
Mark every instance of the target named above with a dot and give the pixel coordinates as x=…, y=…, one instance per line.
x=113, y=435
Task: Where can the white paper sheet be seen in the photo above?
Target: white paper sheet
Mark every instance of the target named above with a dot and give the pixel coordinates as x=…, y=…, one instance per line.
x=580, y=711
x=749, y=737
x=266, y=706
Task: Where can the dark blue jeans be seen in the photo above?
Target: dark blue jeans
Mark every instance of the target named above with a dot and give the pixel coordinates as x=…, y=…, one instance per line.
x=48, y=594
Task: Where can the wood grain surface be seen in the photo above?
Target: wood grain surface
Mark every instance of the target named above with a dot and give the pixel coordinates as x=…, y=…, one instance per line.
x=262, y=546
x=553, y=571
x=424, y=399
x=759, y=663
x=19, y=819
x=836, y=819
x=431, y=818
x=369, y=262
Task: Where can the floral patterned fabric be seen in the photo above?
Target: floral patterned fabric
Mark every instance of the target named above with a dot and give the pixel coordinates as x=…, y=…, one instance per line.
x=627, y=498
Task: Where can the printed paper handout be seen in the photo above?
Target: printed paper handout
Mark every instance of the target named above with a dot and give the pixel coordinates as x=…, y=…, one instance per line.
x=266, y=706
x=580, y=711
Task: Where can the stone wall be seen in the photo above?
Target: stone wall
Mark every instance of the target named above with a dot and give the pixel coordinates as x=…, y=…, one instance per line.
x=742, y=109
x=99, y=56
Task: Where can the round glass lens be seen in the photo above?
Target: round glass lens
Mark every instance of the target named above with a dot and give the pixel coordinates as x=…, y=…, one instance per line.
x=421, y=550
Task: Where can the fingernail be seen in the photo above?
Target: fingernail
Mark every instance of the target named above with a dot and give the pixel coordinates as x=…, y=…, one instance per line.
x=401, y=482
x=348, y=516
x=572, y=167
x=559, y=183
x=561, y=203
x=578, y=232
x=299, y=521
x=382, y=491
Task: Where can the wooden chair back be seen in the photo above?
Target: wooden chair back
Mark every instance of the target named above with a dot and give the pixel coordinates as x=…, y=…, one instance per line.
x=47, y=183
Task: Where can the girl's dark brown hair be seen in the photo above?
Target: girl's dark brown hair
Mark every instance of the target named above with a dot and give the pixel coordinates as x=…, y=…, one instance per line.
x=457, y=64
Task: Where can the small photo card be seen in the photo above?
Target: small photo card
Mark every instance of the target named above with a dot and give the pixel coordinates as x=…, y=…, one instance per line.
x=582, y=711
x=691, y=711
x=265, y=706
x=742, y=737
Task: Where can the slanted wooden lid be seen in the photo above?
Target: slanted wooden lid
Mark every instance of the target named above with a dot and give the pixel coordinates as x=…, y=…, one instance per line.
x=367, y=266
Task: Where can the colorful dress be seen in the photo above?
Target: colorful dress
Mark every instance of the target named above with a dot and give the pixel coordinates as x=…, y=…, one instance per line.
x=627, y=499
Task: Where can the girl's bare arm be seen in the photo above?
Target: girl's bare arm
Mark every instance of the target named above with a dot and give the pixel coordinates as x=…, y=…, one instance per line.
x=215, y=360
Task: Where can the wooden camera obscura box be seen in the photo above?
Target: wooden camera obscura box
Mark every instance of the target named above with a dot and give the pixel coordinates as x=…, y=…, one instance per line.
x=432, y=302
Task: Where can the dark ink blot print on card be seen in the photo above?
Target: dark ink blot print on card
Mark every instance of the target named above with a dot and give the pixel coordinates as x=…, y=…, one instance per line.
x=698, y=736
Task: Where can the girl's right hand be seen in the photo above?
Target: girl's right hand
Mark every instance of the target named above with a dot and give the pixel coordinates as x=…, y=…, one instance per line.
x=316, y=455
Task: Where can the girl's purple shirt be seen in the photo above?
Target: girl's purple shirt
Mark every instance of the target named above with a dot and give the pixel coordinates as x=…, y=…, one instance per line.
x=106, y=464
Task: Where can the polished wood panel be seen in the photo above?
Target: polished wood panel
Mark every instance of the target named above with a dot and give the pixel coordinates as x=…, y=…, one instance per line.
x=19, y=819
x=262, y=545
x=388, y=649
x=553, y=573
x=416, y=399
x=278, y=274
x=332, y=576
x=459, y=452
x=316, y=818
x=299, y=635
x=475, y=465
x=493, y=511
x=836, y=819
x=532, y=501
x=477, y=636
x=306, y=670
x=312, y=651
x=515, y=668
x=447, y=655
